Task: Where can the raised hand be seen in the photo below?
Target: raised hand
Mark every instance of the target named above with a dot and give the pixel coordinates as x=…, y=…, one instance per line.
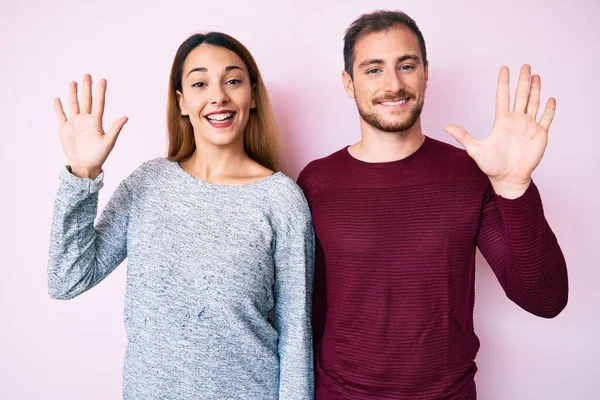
x=517, y=142
x=84, y=141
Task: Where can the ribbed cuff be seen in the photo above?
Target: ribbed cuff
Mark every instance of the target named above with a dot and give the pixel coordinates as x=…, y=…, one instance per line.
x=86, y=185
x=522, y=205
x=523, y=218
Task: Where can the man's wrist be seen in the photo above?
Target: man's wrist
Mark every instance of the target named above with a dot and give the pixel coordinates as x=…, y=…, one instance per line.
x=510, y=190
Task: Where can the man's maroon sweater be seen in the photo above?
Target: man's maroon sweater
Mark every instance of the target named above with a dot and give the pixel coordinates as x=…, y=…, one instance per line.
x=395, y=273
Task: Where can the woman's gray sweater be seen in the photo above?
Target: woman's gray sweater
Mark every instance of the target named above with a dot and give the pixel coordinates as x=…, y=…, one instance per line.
x=206, y=264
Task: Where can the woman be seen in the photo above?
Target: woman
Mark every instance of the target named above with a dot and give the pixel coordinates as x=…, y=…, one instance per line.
x=214, y=237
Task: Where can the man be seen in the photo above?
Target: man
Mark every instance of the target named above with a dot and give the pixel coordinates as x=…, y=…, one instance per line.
x=398, y=217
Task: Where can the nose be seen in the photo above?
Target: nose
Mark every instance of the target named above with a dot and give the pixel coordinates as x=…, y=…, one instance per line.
x=393, y=81
x=218, y=96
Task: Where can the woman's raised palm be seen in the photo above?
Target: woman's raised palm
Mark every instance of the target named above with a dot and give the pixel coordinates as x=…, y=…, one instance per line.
x=83, y=138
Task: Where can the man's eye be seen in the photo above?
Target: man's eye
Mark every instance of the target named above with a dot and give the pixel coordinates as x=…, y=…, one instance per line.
x=406, y=67
x=373, y=71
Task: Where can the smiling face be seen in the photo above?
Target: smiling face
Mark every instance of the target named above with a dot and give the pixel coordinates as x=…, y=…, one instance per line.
x=216, y=95
x=389, y=79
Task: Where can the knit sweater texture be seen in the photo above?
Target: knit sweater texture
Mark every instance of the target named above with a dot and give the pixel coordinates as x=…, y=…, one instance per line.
x=395, y=270
x=206, y=264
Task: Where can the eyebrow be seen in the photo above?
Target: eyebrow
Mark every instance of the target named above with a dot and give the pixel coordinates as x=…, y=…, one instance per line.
x=380, y=61
x=203, y=69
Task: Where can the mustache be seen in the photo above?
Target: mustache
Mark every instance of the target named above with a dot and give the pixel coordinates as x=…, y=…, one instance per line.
x=403, y=94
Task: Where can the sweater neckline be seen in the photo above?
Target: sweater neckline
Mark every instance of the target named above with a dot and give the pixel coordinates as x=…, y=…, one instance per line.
x=387, y=164
x=186, y=175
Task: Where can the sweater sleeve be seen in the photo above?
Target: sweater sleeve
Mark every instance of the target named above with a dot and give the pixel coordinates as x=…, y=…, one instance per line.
x=81, y=254
x=319, y=305
x=294, y=269
x=516, y=240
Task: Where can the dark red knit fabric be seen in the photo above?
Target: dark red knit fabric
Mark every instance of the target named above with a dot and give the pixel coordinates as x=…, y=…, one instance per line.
x=394, y=285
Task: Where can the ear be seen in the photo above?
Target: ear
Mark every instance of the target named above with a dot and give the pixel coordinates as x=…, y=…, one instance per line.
x=253, y=94
x=181, y=102
x=426, y=74
x=348, y=84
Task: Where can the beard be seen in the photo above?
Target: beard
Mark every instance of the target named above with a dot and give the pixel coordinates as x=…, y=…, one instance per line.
x=398, y=126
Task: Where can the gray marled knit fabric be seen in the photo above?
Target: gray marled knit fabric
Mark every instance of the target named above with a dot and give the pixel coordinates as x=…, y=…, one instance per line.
x=205, y=265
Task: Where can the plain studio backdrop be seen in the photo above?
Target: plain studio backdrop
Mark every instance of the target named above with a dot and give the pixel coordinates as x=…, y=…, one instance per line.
x=52, y=349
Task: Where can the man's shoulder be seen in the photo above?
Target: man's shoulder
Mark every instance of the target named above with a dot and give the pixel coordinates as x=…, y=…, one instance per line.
x=321, y=168
x=453, y=162
x=445, y=149
x=447, y=153
x=320, y=165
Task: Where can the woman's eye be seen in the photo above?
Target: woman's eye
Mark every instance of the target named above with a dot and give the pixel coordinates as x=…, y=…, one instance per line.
x=233, y=82
x=199, y=84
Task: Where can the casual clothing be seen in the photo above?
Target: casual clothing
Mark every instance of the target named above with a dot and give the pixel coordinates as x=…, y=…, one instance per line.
x=395, y=270
x=206, y=264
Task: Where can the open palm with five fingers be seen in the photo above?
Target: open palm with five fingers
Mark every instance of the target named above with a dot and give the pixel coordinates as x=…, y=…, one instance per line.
x=517, y=142
x=84, y=141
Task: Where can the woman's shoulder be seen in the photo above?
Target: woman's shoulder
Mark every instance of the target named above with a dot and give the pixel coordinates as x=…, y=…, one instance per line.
x=285, y=196
x=278, y=187
x=286, y=186
x=155, y=165
x=149, y=171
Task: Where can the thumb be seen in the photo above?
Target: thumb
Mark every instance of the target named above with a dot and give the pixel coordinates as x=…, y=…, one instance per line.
x=115, y=129
x=463, y=137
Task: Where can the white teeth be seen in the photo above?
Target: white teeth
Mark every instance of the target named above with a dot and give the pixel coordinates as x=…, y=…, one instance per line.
x=220, y=117
x=394, y=103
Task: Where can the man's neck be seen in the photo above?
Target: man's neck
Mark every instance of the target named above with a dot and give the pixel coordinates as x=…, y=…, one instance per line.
x=377, y=146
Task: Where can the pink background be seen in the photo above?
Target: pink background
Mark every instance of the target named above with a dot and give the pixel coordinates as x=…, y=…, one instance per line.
x=74, y=350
